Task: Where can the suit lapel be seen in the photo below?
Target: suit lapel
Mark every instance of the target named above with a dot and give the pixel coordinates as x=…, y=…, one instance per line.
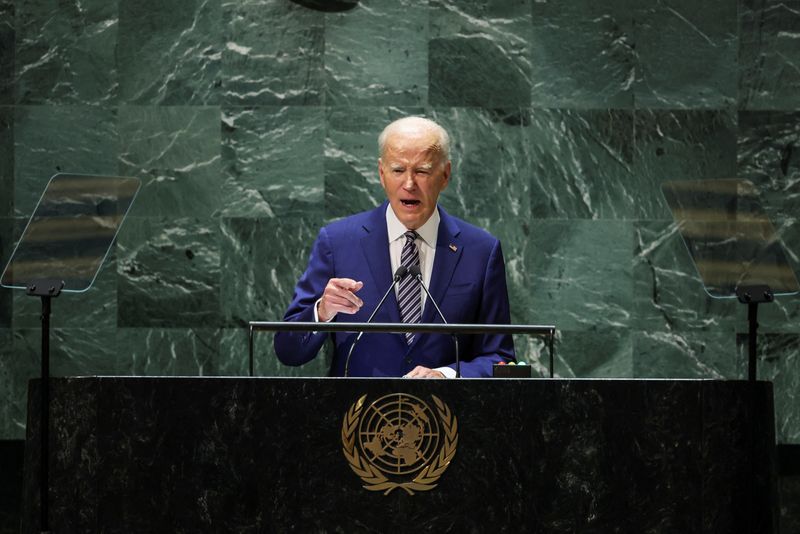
x=444, y=264
x=375, y=247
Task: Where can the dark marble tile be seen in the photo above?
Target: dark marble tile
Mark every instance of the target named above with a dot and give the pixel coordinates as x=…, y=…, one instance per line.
x=769, y=156
x=6, y=249
x=778, y=361
x=170, y=54
x=53, y=139
x=168, y=273
x=16, y=368
x=668, y=293
x=581, y=164
x=94, y=308
x=562, y=291
x=352, y=183
x=175, y=151
x=264, y=66
x=66, y=53
x=686, y=354
x=273, y=162
x=679, y=145
x=7, y=52
x=687, y=54
x=582, y=54
x=790, y=504
x=479, y=53
x=769, y=71
x=377, y=54
x=168, y=351
x=6, y=161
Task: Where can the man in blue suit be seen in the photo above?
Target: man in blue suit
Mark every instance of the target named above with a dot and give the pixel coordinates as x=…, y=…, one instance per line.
x=353, y=260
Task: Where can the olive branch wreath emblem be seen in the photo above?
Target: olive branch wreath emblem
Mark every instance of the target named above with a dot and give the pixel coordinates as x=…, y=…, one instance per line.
x=373, y=478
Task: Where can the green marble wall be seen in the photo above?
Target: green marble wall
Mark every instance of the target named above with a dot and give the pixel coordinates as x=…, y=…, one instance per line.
x=253, y=122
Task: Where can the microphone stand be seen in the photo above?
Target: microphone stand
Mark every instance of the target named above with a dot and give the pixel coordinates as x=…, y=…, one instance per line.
x=416, y=273
x=399, y=274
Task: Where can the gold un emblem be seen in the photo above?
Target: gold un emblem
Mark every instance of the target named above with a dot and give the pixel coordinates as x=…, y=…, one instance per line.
x=398, y=441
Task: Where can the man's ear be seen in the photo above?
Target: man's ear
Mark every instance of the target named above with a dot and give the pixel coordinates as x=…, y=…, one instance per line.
x=380, y=172
x=447, y=169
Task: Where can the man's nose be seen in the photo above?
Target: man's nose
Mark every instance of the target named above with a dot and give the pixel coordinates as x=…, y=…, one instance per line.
x=408, y=181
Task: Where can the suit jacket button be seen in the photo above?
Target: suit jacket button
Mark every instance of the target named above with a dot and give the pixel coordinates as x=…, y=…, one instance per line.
x=408, y=360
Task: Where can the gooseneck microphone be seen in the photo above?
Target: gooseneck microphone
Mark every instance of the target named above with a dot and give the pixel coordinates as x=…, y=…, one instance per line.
x=414, y=271
x=399, y=274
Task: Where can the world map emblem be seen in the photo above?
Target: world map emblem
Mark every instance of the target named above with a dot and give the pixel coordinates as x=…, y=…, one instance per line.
x=399, y=441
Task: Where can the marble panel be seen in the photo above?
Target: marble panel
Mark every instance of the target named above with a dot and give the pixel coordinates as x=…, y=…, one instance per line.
x=168, y=273
x=273, y=161
x=6, y=248
x=273, y=53
x=769, y=64
x=668, y=293
x=599, y=353
x=581, y=164
x=15, y=370
x=66, y=52
x=53, y=139
x=778, y=361
x=6, y=161
x=582, y=54
x=679, y=145
x=769, y=156
x=790, y=504
x=377, y=54
x=95, y=308
x=352, y=183
x=479, y=53
x=7, y=52
x=168, y=351
x=175, y=151
x=170, y=53
x=261, y=261
x=687, y=54
x=686, y=354
x=580, y=275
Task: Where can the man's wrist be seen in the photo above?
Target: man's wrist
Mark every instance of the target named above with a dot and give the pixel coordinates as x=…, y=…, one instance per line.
x=448, y=372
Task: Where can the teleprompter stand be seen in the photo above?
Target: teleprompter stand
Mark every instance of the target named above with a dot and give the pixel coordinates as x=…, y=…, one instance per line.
x=65, y=243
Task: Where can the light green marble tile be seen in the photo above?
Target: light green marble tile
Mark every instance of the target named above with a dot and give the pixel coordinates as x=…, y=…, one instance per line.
x=582, y=54
x=687, y=54
x=168, y=352
x=7, y=51
x=668, y=292
x=708, y=353
x=273, y=161
x=53, y=139
x=579, y=275
x=581, y=164
x=273, y=53
x=679, y=145
x=377, y=54
x=16, y=368
x=175, y=151
x=479, y=53
x=769, y=64
x=168, y=273
x=768, y=155
x=262, y=259
x=66, y=52
x=6, y=161
x=170, y=53
x=598, y=353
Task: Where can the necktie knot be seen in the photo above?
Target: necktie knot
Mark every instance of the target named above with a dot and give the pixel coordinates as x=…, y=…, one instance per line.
x=411, y=235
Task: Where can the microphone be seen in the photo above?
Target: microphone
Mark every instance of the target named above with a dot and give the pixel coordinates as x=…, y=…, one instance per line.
x=416, y=273
x=399, y=274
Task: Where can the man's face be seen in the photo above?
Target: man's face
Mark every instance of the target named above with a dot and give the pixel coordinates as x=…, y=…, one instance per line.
x=413, y=174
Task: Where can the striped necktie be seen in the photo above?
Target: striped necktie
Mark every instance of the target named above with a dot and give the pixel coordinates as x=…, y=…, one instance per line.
x=408, y=296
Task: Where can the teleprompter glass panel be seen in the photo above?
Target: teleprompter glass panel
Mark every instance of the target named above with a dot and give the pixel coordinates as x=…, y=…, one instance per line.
x=71, y=230
x=729, y=236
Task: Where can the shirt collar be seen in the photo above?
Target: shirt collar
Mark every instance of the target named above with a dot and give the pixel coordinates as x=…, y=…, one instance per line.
x=427, y=232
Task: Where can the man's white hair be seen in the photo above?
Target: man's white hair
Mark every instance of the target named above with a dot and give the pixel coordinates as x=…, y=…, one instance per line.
x=443, y=142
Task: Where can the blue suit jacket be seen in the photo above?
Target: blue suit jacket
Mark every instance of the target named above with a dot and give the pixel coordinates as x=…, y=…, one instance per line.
x=468, y=282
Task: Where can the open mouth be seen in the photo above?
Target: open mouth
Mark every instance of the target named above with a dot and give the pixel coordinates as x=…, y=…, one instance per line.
x=410, y=202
